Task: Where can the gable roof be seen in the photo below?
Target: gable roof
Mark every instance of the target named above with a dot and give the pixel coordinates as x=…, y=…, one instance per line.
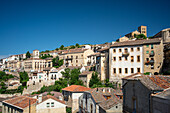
x=164, y=94
x=152, y=82
x=76, y=88
x=44, y=98
x=21, y=101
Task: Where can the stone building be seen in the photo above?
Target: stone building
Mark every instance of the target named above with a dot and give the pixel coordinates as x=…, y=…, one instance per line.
x=71, y=95
x=75, y=57
x=138, y=89
x=164, y=34
x=128, y=57
x=85, y=77
x=101, y=100
x=35, y=63
x=161, y=102
x=21, y=104
x=166, y=62
x=102, y=63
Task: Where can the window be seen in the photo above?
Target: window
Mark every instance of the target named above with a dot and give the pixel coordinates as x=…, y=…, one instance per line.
x=138, y=49
x=76, y=57
x=114, y=70
x=132, y=70
x=126, y=59
x=120, y=70
x=114, y=58
x=131, y=49
x=126, y=70
x=120, y=50
x=120, y=58
x=52, y=104
x=151, y=46
x=132, y=59
x=138, y=58
x=138, y=69
x=114, y=50
x=147, y=45
x=76, y=61
x=126, y=50
x=147, y=52
x=48, y=104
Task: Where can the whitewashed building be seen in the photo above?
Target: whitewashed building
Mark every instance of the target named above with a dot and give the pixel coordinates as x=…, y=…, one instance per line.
x=50, y=104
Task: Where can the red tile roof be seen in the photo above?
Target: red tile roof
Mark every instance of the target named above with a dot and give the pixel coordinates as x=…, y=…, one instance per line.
x=76, y=88
x=21, y=101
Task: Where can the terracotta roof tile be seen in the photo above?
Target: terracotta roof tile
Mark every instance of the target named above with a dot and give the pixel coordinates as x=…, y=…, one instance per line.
x=21, y=101
x=76, y=88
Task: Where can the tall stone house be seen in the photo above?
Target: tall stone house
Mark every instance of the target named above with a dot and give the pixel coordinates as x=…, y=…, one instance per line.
x=135, y=56
x=138, y=89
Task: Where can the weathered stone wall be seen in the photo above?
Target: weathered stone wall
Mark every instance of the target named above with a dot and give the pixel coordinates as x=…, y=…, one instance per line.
x=135, y=90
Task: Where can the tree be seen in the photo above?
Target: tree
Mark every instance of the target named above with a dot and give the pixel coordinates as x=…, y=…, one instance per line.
x=141, y=36
x=94, y=80
x=28, y=55
x=62, y=47
x=56, y=62
x=77, y=45
x=72, y=47
x=24, y=78
x=57, y=49
x=66, y=73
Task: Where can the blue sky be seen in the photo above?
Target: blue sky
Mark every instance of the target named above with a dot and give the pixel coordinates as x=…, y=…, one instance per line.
x=26, y=25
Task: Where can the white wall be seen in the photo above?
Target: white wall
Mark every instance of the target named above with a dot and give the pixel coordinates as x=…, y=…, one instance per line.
x=125, y=64
x=43, y=105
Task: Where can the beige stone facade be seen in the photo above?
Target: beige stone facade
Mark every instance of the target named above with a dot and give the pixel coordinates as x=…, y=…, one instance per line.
x=75, y=57
x=36, y=64
x=153, y=57
x=85, y=77
x=143, y=30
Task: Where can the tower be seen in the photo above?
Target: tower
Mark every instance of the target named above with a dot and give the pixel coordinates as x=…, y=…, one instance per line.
x=143, y=30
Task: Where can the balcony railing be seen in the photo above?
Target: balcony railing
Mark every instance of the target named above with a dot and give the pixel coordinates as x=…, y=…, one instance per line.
x=151, y=61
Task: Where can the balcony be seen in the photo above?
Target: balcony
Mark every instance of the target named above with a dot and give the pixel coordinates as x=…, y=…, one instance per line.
x=126, y=53
x=69, y=58
x=152, y=53
x=151, y=61
x=146, y=62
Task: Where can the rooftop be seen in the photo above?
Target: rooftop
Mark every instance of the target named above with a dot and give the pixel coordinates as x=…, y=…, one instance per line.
x=136, y=42
x=152, y=82
x=99, y=95
x=76, y=88
x=21, y=101
x=44, y=98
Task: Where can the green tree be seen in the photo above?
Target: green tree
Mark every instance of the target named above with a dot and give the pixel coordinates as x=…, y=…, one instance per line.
x=28, y=55
x=57, y=49
x=24, y=78
x=94, y=80
x=72, y=47
x=77, y=45
x=56, y=62
x=141, y=36
x=62, y=47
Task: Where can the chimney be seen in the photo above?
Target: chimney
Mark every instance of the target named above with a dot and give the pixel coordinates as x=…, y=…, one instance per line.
x=40, y=98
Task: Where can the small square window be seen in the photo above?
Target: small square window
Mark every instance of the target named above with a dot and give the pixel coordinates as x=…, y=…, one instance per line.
x=147, y=52
x=147, y=45
x=138, y=49
x=48, y=104
x=151, y=46
x=114, y=58
x=131, y=49
x=114, y=50
x=52, y=104
x=120, y=58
